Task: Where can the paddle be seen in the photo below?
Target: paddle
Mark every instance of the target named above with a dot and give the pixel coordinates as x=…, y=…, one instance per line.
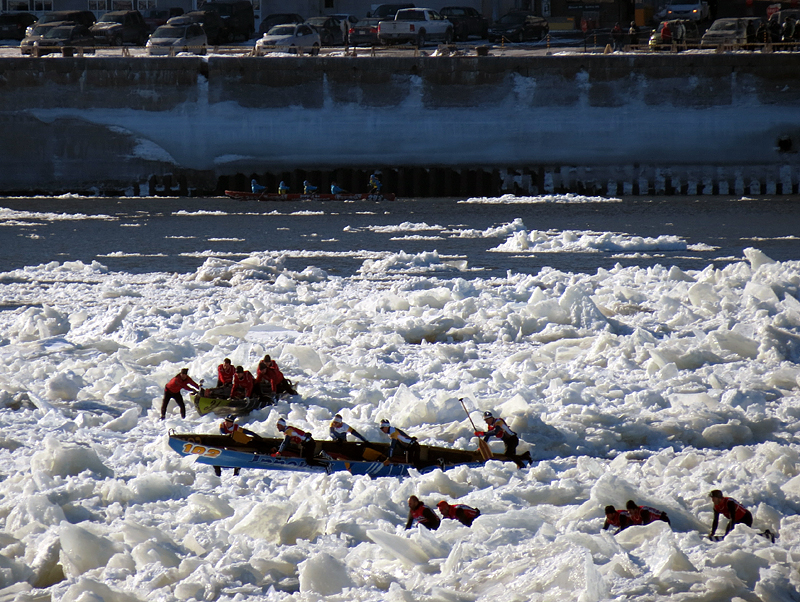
x=483, y=447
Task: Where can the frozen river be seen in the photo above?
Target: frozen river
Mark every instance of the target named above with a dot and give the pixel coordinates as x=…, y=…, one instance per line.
x=642, y=349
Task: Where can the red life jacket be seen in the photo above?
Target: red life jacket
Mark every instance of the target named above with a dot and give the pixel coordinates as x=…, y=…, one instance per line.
x=468, y=512
x=225, y=373
x=245, y=381
x=224, y=430
x=616, y=520
x=739, y=511
x=295, y=434
x=654, y=514
x=177, y=383
x=420, y=517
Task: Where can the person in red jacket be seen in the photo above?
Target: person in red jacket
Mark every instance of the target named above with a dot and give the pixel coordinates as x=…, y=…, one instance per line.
x=620, y=519
x=243, y=383
x=225, y=373
x=644, y=515
x=460, y=512
x=280, y=384
x=730, y=509
x=420, y=514
x=173, y=391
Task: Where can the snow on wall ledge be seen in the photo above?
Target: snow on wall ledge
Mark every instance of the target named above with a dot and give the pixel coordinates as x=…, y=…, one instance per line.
x=628, y=120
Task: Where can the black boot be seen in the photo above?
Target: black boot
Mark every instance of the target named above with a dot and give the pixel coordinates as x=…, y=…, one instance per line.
x=218, y=471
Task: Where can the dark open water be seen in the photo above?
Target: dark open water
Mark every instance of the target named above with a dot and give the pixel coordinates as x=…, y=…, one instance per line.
x=144, y=226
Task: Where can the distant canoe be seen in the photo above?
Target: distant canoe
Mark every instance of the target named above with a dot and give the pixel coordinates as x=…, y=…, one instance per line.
x=296, y=196
x=355, y=458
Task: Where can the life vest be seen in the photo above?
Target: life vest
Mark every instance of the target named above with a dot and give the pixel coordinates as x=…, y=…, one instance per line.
x=739, y=511
x=616, y=521
x=400, y=436
x=177, y=383
x=468, y=512
x=420, y=517
x=296, y=435
x=224, y=430
x=245, y=381
x=225, y=373
x=654, y=513
x=500, y=429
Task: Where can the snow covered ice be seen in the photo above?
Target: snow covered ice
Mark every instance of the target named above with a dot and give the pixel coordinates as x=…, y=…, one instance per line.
x=655, y=384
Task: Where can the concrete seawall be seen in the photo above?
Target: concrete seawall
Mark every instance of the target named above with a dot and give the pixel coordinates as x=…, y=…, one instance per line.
x=619, y=124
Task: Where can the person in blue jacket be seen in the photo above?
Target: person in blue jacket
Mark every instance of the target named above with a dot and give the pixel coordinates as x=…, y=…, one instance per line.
x=283, y=188
x=308, y=187
x=256, y=187
x=336, y=189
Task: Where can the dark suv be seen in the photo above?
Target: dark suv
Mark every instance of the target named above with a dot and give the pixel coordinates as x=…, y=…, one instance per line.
x=79, y=17
x=120, y=27
x=13, y=25
x=519, y=26
x=237, y=16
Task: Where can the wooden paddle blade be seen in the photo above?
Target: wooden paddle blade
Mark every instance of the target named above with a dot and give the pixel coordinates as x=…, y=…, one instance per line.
x=486, y=451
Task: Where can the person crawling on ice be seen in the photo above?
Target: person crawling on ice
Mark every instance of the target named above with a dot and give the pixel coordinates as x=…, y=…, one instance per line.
x=401, y=440
x=460, y=512
x=497, y=427
x=339, y=430
x=173, y=391
x=263, y=385
x=730, y=509
x=243, y=383
x=298, y=438
x=644, y=515
x=620, y=519
x=420, y=514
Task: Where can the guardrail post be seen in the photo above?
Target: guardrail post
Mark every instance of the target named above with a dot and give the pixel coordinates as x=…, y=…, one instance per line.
x=548, y=44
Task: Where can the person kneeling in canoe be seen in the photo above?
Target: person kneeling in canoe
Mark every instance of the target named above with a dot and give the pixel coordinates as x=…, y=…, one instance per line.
x=460, y=512
x=340, y=429
x=229, y=427
x=497, y=427
x=420, y=514
x=401, y=439
x=298, y=438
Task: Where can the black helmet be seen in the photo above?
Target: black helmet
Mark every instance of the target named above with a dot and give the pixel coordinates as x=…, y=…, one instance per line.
x=230, y=418
x=488, y=415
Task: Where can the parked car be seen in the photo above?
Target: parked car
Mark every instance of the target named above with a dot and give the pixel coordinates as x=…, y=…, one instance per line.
x=329, y=30
x=79, y=17
x=65, y=39
x=466, y=22
x=683, y=32
x=289, y=38
x=415, y=25
x=14, y=25
x=155, y=18
x=728, y=32
x=177, y=36
x=237, y=15
x=120, y=27
x=212, y=23
x=388, y=11
x=519, y=26
x=271, y=21
x=364, y=33
x=693, y=11
x=36, y=33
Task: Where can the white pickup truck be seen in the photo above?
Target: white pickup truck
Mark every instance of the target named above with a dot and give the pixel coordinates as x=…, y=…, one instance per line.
x=415, y=25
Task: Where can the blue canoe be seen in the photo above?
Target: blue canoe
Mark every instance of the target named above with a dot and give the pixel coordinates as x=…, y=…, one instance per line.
x=355, y=458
